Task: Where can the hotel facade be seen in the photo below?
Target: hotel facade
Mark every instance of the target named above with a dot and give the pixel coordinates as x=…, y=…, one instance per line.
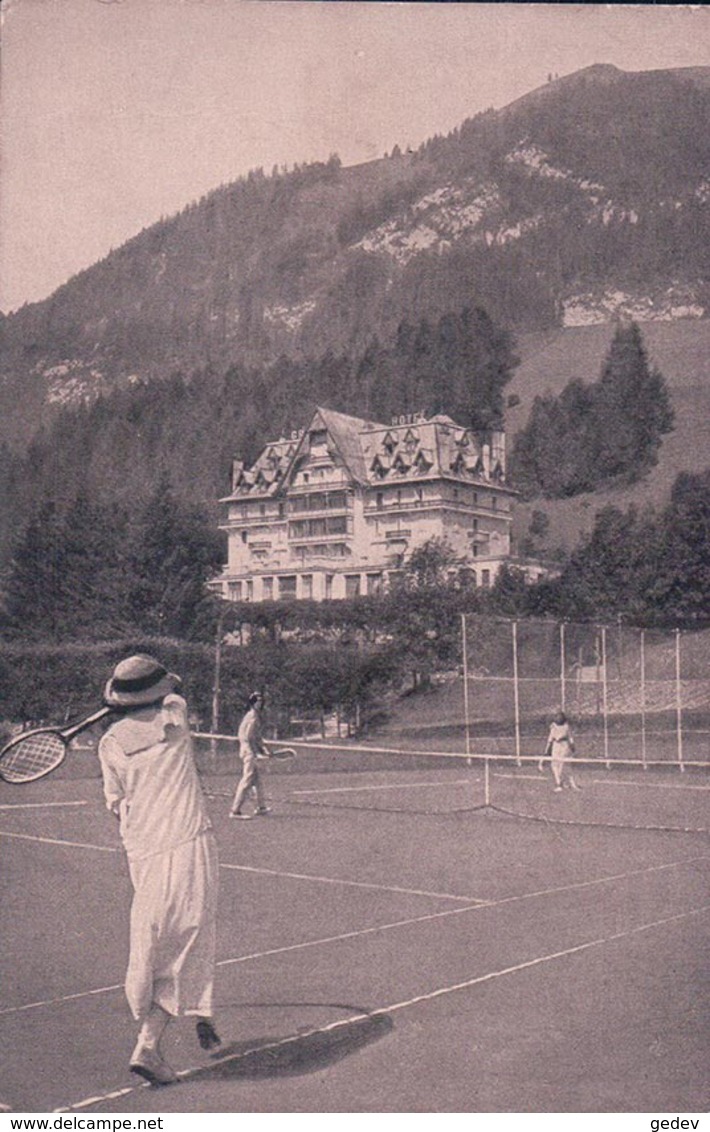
x=334, y=510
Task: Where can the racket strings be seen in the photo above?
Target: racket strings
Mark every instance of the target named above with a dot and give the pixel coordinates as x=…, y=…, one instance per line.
x=32, y=757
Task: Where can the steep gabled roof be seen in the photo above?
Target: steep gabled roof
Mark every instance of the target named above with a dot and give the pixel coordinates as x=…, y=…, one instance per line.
x=345, y=432
x=373, y=453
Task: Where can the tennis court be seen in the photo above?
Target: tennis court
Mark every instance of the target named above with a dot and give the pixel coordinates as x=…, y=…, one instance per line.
x=401, y=934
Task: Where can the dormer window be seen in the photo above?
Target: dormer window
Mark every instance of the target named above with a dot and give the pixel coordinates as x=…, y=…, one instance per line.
x=378, y=468
x=389, y=443
x=318, y=438
x=401, y=463
x=423, y=460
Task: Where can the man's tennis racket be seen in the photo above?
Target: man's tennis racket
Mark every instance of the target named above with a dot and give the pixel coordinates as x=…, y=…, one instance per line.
x=36, y=753
x=281, y=754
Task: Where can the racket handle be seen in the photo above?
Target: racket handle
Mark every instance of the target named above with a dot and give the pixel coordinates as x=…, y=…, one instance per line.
x=70, y=732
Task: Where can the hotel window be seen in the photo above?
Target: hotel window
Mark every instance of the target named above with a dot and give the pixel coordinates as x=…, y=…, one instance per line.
x=287, y=587
x=374, y=583
x=250, y=590
x=328, y=587
x=379, y=500
x=420, y=495
x=352, y=585
x=307, y=587
x=485, y=579
x=244, y=536
x=262, y=508
x=267, y=589
x=234, y=591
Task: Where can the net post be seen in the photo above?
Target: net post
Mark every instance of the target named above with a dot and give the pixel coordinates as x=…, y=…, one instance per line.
x=516, y=694
x=563, y=665
x=605, y=704
x=678, y=703
x=644, y=763
x=467, y=718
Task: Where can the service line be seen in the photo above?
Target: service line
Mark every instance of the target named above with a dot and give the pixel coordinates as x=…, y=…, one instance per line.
x=361, y=932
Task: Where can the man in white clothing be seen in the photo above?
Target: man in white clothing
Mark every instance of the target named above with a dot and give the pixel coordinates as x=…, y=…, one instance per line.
x=251, y=747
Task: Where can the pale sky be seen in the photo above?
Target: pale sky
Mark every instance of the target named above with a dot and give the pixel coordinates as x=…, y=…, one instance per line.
x=117, y=112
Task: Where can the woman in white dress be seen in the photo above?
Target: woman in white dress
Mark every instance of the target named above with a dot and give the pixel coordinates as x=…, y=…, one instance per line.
x=151, y=785
x=559, y=750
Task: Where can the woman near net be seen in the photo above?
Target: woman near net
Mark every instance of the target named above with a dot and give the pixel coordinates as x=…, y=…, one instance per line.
x=151, y=785
x=559, y=750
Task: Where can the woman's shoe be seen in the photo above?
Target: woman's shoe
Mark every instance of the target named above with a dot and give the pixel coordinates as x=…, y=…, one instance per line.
x=148, y=1063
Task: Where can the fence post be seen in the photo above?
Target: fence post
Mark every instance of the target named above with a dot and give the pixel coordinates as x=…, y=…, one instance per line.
x=678, y=702
x=563, y=665
x=216, y=685
x=467, y=724
x=604, y=700
x=516, y=693
x=643, y=699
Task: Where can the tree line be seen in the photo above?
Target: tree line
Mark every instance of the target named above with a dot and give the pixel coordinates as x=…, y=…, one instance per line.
x=78, y=601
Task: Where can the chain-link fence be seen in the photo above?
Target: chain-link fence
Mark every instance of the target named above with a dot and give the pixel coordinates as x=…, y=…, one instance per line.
x=637, y=695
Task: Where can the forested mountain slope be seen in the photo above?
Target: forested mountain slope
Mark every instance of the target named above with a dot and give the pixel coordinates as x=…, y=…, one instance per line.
x=586, y=197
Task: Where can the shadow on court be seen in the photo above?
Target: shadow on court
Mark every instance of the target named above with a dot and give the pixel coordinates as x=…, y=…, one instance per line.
x=298, y=1054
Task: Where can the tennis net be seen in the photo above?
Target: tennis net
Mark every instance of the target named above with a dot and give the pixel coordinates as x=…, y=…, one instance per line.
x=358, y=776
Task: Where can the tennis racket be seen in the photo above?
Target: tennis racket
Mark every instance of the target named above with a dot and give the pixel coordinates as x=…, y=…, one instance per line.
x=35, y=753
x=281, y=754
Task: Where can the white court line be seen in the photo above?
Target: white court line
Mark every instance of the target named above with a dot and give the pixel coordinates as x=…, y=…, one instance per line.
x=406, y=1004
x=38, y=805
x=59, y=841
x=540, y=779
x=646, y=785
x=360, y=932
x=268, y=872
x=387, y=786
x=354, y=883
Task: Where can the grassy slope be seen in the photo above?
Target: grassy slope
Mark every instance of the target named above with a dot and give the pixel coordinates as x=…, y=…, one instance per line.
x=681, y=350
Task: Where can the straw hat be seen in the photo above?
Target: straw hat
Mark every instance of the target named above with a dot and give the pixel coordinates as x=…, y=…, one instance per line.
x=139, y=680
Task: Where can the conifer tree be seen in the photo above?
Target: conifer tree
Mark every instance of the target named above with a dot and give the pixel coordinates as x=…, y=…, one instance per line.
x=632, y=407
x=35, y=585
x=174, y=550
x=92, y=602
x=681, y=585
x=594, y=433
